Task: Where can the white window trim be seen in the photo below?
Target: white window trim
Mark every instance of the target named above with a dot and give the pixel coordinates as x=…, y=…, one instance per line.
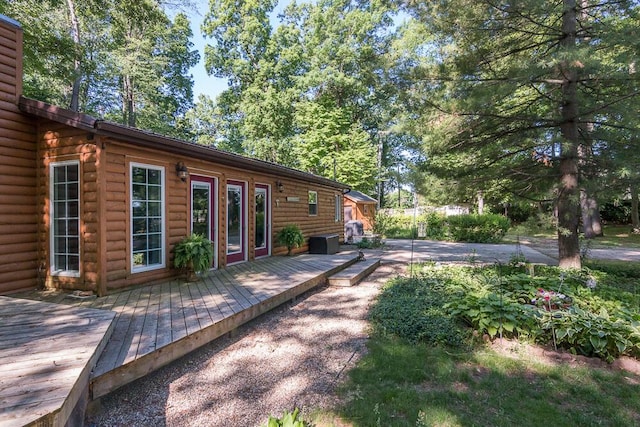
x=52, y=218
x=338, y=208
x=317, y=204
x=135, y=269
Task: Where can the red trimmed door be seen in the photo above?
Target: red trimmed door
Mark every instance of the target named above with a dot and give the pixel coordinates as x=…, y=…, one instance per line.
x=236, y=222
x=262, y=220
x=203, y=210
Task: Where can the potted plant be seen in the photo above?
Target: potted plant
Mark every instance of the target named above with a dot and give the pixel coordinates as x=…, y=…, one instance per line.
x=194, y=254
x=290, y=236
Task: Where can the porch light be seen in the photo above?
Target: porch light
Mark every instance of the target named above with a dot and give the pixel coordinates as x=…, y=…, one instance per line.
x=280, y=186
x=182, y=171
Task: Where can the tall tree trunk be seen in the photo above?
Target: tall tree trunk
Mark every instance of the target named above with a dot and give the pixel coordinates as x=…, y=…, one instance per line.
x=568, y=206
x=635, y=217
x=128, y=104
x=480, y=203
x=77, y=75
x=591, y=223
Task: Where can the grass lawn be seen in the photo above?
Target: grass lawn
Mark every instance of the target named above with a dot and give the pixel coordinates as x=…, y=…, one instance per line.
x=402, y=384
x=425, y=367
x=614, y=236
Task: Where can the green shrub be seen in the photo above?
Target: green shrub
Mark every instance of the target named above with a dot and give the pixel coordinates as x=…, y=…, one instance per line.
x=370, y=243
x=289, y=419
x=617, y=268
x=382, y=223
x=539, y=223
x=494, y=314
x=488, y=228
x=412, y=309
x=400, y=226
x=290, y=236
x=436, y=225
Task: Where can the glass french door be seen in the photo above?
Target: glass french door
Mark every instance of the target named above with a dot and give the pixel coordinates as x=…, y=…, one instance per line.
x=203, y=210
x=236, y=222
x=262, y=220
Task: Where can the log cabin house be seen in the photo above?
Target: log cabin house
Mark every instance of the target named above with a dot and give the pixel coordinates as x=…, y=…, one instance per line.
x=93, y=205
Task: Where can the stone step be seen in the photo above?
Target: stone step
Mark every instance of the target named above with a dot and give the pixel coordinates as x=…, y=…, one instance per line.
x=354, y=273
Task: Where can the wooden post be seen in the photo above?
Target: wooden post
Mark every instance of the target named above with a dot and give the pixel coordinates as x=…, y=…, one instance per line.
x=101, y=190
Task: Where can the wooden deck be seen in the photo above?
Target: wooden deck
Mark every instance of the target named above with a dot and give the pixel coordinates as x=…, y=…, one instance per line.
x=157, y=324
x=46, y=355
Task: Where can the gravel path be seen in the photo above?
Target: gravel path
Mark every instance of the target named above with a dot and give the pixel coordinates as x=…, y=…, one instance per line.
x=293, y=356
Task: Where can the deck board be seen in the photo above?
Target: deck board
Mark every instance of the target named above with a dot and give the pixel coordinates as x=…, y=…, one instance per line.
x=154, y=325
x=46, y=353
x=163, y=331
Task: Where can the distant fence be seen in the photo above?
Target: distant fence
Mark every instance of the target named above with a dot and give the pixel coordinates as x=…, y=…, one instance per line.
x=444, y=210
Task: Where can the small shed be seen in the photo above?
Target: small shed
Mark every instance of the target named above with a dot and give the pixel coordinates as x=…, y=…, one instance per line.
x=360, y=207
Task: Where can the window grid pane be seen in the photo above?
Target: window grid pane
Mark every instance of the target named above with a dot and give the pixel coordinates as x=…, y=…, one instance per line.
x=147, y=217
x=313, y=203
x=65, y=221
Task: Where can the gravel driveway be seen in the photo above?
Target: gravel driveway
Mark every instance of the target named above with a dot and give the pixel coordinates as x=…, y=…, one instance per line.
x=293, y=356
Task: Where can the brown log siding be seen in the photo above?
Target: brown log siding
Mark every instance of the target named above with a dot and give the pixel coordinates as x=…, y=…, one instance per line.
x=177, y=195
x=59, y=143
x=18, y=183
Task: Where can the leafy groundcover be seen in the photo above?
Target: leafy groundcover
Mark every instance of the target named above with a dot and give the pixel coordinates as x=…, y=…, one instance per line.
x=589, y=312
x=427, y=363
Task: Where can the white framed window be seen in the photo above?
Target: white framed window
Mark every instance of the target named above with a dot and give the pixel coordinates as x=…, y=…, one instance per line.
x=64, y=180
x=147, y=217
x=313, y=203
x=338, y=208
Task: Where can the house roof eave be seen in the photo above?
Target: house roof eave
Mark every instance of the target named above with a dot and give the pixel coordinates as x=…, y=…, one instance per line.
x=152, y=140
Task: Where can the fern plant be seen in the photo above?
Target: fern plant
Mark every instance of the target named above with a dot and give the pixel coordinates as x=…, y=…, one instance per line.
x=291, y=237
x=194, y=254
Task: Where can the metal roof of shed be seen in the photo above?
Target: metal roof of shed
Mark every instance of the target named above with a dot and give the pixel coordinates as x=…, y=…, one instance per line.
x=359, y=197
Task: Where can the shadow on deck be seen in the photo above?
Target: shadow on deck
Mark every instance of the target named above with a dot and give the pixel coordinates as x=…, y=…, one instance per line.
x=140, y=330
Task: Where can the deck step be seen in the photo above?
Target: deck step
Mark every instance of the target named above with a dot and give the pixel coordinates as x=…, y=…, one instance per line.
x=354, y=273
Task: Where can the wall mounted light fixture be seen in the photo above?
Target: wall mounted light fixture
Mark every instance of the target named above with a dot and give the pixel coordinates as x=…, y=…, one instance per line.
x=182, y=171
x=280, y=186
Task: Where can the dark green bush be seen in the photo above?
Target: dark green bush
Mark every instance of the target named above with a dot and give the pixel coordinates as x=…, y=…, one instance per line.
x=436, y=225
x=400, y=226
x=412, y=309
x=517, y=212
x=383, y=222
x=617, y=268
x=370, y=243
x=488, y=228
x=618, y=212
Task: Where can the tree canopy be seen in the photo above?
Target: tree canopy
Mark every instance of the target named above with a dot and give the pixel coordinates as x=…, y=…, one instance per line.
x=525, y=97
x=455, y=100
